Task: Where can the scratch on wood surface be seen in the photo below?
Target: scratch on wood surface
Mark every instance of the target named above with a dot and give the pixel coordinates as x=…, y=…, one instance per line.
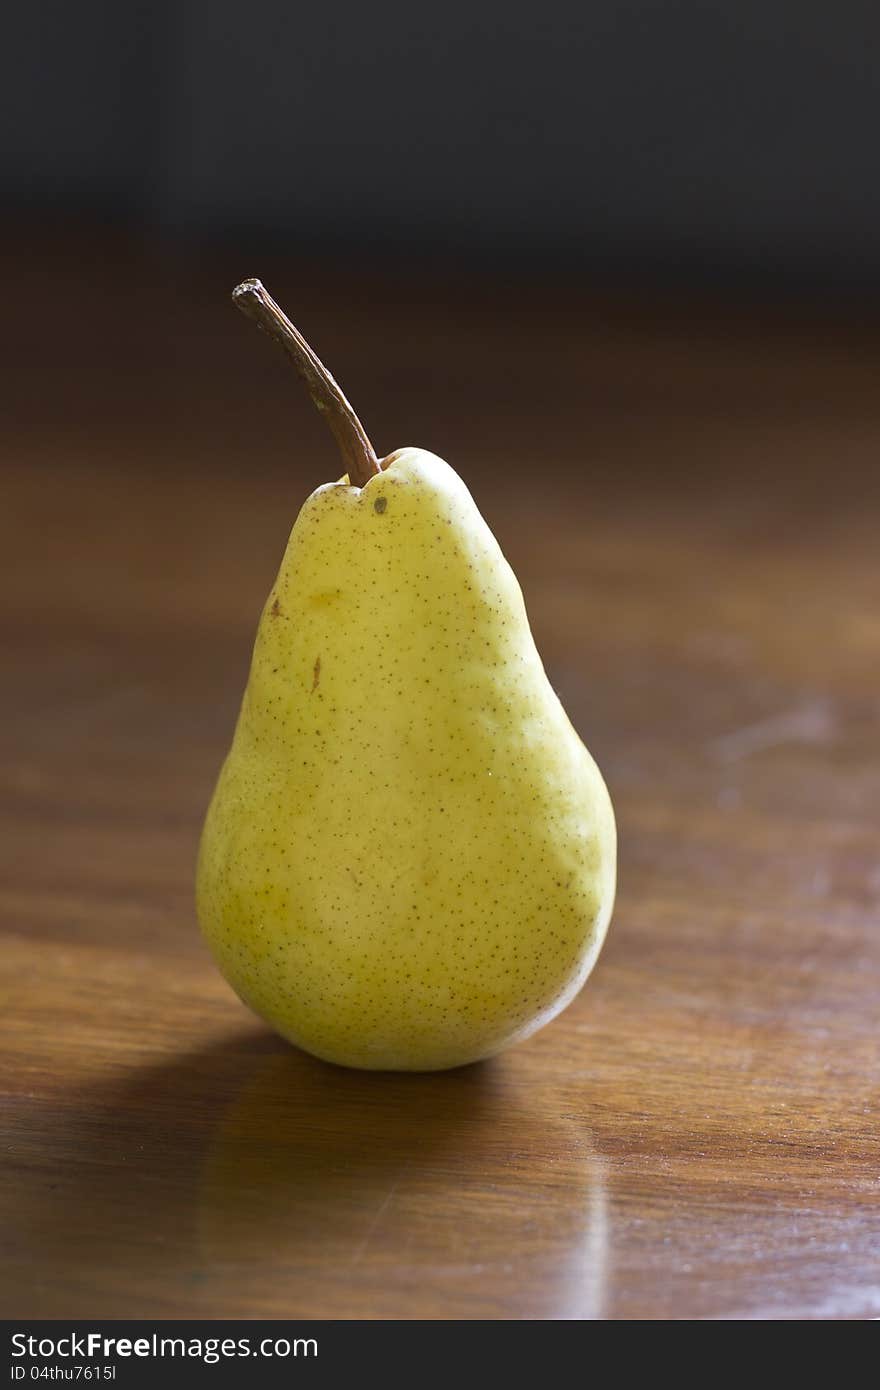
x=805, y=724
x=374, y=1223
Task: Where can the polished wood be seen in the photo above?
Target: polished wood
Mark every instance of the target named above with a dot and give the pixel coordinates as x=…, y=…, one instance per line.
x=689, y=495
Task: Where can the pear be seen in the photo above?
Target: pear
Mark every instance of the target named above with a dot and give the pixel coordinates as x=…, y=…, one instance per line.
x=409, y=859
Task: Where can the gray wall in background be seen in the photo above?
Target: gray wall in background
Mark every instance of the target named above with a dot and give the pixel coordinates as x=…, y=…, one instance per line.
x=724, y=138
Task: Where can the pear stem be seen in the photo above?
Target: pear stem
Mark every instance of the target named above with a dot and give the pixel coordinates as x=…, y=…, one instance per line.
x=361, y=463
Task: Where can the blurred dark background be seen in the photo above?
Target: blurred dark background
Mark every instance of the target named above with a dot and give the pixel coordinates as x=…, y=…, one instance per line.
x=689, y=140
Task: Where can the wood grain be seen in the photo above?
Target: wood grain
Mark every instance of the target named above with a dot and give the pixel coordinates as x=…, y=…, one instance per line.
x=690, y=498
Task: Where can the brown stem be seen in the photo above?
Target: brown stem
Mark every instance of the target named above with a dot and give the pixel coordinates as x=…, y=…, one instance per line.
x=361, y=462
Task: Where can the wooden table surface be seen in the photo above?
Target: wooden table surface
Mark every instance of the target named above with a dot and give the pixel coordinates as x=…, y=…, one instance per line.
x=690, y=499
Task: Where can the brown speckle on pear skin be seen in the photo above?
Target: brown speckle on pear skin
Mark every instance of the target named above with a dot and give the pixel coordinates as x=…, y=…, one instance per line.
x=275, y=610
x=380, y=504
x=316, y=675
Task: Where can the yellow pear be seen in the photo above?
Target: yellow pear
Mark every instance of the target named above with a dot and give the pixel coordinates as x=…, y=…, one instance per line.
x=409, y=859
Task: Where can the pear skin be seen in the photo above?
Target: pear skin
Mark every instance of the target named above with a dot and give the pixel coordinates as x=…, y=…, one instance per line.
x=409, y=859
